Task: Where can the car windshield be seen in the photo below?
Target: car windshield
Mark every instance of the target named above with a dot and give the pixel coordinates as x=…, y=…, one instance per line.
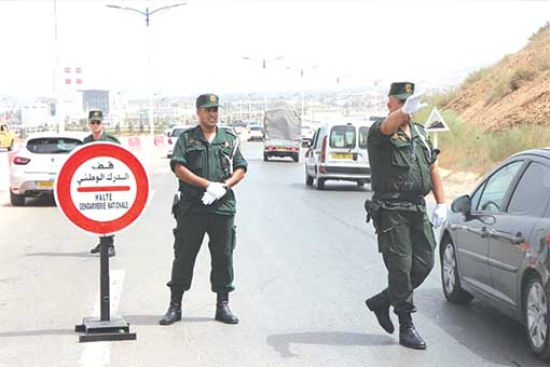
x=52, y=145
x=342, y=137
x=255, y=128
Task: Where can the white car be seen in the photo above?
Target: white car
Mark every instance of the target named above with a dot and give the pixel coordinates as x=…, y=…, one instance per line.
x=36, y=165
x=338, y=152
x=173, y=135
x=255, y=133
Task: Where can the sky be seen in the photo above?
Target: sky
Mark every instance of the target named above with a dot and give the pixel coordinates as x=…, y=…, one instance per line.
x=199, y=47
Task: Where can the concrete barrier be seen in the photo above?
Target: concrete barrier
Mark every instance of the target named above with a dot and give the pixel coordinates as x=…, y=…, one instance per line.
x=159, y=141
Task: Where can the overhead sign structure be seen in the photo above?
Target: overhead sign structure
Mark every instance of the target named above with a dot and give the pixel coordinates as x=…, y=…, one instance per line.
x=102, y=188
x=435, y=122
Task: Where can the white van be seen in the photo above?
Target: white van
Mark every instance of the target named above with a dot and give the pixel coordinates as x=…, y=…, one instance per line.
x=338, y=151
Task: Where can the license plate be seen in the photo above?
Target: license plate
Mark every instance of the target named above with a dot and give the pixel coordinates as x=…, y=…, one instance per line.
x=341, y=156
x=45, y=184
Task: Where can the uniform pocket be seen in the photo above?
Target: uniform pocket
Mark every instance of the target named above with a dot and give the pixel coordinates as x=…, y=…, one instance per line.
x=401, y=153
x=195, y=157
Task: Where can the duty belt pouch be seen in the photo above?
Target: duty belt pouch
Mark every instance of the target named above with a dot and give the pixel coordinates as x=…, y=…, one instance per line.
x=373, y=209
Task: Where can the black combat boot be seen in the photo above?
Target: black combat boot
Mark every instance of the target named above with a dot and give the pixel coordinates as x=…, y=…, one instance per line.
x=408, y=336
x=223, y=313
x=174, y=310
x=382, y=312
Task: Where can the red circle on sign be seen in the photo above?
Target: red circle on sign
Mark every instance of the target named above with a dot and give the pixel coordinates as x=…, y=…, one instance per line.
x=75, y=160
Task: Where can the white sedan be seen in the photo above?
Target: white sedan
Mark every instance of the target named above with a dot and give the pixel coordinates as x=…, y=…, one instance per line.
x=36, y=165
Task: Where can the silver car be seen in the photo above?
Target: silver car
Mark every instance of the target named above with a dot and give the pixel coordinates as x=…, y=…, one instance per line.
x=496, y=244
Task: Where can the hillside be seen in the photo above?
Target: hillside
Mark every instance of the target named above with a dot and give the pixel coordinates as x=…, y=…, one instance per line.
x=515, y=91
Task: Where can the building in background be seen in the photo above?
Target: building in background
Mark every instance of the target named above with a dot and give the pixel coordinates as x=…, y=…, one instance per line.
x=96, y=98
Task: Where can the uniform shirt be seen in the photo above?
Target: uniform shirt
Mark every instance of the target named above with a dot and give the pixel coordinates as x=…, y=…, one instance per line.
x=209, y=161
x=103, y=137
x=399, y=163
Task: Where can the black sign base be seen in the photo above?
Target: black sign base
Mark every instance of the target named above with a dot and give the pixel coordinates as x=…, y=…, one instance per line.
x=111, y=330
x=104, y=328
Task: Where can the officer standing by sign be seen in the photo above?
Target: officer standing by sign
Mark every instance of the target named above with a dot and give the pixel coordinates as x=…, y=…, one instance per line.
x=97, y=128
x=208, y=164
x=404, y=170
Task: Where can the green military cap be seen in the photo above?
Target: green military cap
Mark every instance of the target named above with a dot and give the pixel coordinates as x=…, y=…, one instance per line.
x=208, y=100
x=401, y=90
x=95, y=115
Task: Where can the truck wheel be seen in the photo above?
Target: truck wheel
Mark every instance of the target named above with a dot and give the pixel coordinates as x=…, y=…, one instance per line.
x=296, y=157
x=10, y=148
x=265, y=157
x=360, y=183
x=17, y=200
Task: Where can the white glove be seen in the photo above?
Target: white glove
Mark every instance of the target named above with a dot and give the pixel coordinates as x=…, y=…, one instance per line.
x=439, y=214
x=216, y=189
x=208, y=198
x=413, y=105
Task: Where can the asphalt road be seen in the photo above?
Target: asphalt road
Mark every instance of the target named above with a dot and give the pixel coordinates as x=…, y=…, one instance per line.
x=304, y=263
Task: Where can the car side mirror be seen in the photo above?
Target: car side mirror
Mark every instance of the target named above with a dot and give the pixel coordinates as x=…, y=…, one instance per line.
x=462, y=204
x=307, y=142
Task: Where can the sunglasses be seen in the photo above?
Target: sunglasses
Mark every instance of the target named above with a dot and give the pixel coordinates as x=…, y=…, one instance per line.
x=211, y=109
x=95, y=122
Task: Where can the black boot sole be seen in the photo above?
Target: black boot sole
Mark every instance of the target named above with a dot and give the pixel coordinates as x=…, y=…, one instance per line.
x=414, y=346
x=389, y=328
x=167, y=323
x=228, y=322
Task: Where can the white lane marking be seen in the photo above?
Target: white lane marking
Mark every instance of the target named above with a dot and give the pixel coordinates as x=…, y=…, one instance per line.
x=98, y=354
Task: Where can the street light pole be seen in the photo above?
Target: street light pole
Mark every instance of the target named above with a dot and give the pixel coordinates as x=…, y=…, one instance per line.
x=250, y=106
x=147, y=13
x=264, y=62
x=302, y=70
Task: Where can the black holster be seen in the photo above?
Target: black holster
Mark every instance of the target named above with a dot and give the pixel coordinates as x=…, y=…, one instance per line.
x=176, y=205
x=374, y=211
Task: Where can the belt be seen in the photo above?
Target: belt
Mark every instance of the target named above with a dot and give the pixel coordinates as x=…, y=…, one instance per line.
x=400, y=196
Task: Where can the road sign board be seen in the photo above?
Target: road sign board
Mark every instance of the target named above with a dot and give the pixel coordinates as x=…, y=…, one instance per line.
x=436, y=122
x=102, y=188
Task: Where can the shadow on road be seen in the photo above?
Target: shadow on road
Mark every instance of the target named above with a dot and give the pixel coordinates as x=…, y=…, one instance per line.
x=26, y=333
x=332, y=186
x=281, y=342
x=62, y=254
x=153, y=320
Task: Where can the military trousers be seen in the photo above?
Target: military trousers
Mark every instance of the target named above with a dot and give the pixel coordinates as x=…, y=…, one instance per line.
x=188, y=237
x=406, y=241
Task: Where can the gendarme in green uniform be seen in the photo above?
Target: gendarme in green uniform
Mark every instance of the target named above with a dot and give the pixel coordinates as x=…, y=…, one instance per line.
x=210, y=161
x=103, y=137
x=400, y=169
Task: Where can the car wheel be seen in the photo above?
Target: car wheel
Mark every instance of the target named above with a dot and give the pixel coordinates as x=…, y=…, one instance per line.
x=17, y=200
x=320, y=183
x=360, y=183
x=309, y=180
x=10, y=148
x=265, y=157
x=296, y=157
x=449, y=274
x=536, y=315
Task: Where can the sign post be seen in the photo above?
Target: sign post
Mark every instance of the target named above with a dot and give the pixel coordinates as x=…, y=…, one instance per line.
x=102, y=188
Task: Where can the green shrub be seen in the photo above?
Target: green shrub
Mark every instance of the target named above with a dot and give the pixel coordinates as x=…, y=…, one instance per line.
x=475, y=76
x=500, y=86
x=521, y=75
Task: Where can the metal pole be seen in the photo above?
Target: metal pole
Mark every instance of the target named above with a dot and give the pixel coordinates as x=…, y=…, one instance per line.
x=150, y=77
x=104, y=290
x=59, y=122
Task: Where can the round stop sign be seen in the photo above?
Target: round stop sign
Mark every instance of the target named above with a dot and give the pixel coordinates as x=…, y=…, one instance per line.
x=102, y=188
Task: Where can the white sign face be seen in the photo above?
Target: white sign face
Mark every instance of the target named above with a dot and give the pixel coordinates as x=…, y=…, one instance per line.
x=436, y=122
x=103, y=189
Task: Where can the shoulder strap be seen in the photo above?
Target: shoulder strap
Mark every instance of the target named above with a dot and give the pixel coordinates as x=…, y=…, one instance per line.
x=422, y=138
